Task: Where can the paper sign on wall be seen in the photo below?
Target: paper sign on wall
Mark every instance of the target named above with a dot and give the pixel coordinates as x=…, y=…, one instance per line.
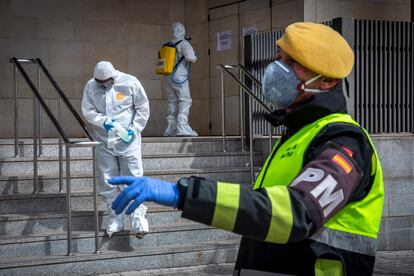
x=249, y=30
x=224, y=40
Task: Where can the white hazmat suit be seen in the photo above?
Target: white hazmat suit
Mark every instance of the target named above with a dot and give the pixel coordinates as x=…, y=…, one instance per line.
x=112, y=94
x=177, y=88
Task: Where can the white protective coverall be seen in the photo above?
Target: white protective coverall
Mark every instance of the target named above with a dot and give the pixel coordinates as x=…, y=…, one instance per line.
x=126, y=102
x=177, y=89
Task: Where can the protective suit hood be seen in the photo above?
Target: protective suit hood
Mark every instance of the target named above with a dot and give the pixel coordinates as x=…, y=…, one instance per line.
x=178, y=30
x=104, y=70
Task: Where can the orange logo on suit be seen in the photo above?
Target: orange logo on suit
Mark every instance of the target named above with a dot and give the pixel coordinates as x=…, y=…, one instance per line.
x=120, y=96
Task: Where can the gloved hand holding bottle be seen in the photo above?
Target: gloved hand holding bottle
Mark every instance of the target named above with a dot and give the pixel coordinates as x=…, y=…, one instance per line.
x=131, y=133
x=125, y=135
x=142, y=189
x=109, y=124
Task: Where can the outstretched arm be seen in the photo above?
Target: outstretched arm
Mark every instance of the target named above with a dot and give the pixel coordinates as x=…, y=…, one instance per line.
x=277, y=214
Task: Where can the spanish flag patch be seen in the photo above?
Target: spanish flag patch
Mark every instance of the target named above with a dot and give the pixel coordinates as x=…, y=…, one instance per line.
x=338, y=159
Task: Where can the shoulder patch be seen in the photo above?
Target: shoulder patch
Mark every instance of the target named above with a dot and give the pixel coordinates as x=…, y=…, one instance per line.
x=348, y=151
x=341, y=162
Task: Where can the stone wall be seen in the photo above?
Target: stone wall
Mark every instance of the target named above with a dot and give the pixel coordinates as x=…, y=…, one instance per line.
x=396, y=156
x=71, y=36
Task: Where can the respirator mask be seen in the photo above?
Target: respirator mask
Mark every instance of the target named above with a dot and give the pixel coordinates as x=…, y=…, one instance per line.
x=281, y=86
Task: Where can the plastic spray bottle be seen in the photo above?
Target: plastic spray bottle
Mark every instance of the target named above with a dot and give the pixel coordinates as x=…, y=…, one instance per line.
x=121, y=132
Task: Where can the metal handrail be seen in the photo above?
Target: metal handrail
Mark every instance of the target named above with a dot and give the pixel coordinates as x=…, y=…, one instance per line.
x=246, y=89
x=39, y=97
x=250, y=75
x=243, y=88
x=62, y=136
x=259, y=84
x=65, y=99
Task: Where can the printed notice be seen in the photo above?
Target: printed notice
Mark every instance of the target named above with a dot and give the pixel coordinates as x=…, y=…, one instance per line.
x=249, y=30
x=224, y=40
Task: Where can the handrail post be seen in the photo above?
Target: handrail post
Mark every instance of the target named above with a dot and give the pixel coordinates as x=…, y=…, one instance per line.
x=241, y=95
x=60, y=150
x=16, y=112
x=68, y=201
x=245, y=88
x=223, y=112
x=95, y=201
x=251, y=96
x=35, y=171
x=39, y=114
x=270, y=138
x=251, y=140
x=65, y=99
x=40, y=99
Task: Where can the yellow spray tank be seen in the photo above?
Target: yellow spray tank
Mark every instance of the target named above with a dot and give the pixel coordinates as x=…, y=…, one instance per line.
x=166, y=58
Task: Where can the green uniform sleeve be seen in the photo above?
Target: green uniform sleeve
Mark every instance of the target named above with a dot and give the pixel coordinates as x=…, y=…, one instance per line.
x=278, y=214
x=263, y=214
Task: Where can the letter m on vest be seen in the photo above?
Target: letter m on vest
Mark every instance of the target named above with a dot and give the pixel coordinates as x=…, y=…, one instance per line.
x=328, y=201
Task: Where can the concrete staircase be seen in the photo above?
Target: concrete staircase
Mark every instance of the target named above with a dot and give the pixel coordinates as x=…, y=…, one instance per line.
x=33, y=226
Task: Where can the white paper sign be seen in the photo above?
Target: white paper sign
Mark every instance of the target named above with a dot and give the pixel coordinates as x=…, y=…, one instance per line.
x=224, y=40
x=249, y=30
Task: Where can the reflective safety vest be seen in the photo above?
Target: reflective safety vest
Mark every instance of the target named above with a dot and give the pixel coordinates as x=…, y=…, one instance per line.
x=355, y=227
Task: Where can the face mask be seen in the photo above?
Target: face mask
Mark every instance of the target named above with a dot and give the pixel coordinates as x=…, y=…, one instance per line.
x=105, y=84
x=281, y=86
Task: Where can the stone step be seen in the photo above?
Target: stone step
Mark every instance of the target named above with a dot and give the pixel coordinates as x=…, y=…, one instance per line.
x=149, y=146
x=47, y=202
x=82, y=220
x=386, y=263
x=23, y=183
x=202, y=259
x=399, y=262
x=155, y=140
x=199, y=270
x=395, y=234
x=50, y=165
x=170, y=256
x=55, y=243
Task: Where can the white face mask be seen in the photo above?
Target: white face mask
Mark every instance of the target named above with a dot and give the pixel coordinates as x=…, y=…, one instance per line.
x=281, y=86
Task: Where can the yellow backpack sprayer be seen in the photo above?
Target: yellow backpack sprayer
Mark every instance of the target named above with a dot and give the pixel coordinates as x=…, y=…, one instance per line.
x=166, y=60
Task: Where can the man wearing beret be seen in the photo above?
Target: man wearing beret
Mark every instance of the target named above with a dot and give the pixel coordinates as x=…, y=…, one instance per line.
x=316, y=206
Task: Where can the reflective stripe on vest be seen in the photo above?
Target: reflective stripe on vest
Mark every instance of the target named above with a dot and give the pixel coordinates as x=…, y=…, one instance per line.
x=362, y=217
x=346, y=241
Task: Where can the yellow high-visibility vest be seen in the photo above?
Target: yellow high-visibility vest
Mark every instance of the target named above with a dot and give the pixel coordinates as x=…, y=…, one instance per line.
x=359, y=218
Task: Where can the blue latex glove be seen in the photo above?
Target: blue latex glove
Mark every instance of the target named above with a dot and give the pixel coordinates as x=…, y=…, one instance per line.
x=131, y=132
x=142, y=189
x=109, y=125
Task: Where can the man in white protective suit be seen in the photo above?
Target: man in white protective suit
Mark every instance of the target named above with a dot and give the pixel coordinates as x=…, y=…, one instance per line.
x=116, y=105
x=177, y=88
